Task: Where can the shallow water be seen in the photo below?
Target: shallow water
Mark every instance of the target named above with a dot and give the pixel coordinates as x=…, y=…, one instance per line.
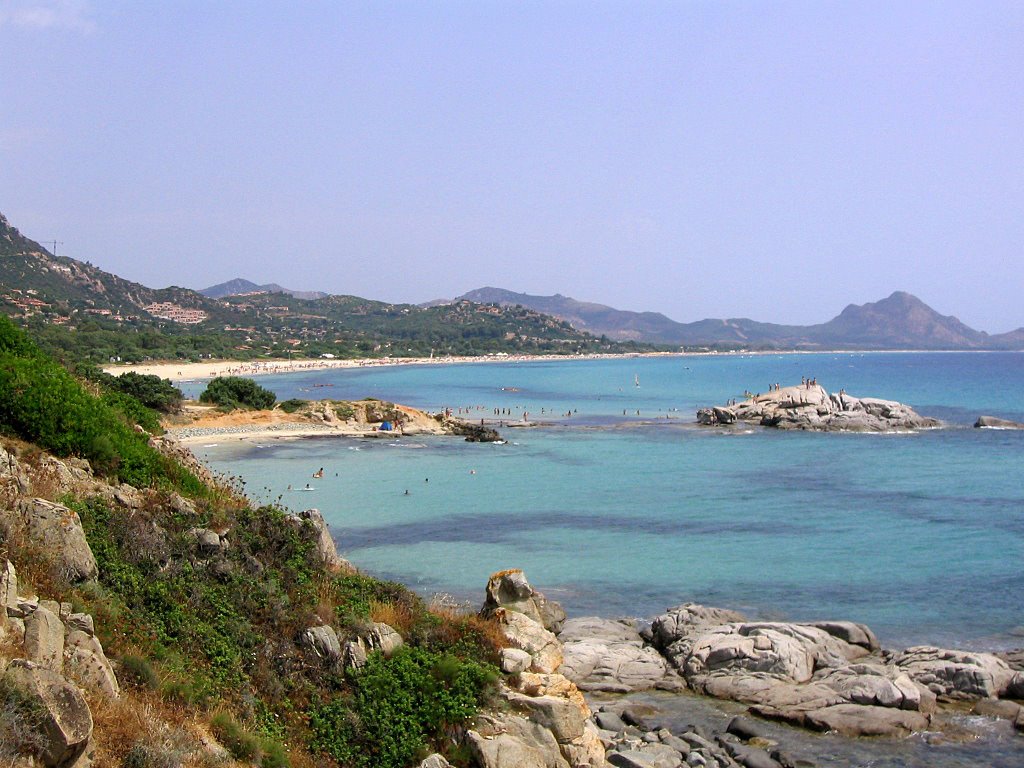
x=920, y=536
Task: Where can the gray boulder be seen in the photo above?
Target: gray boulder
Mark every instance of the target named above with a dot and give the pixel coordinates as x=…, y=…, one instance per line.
x=856, y=720
x=326, y=549
x=85, y=661
x=207, y=543
x=514, y=661
x=383, y=638
x=323, y=641
x=66, y=725
x=435, y=761
x=608, y=655
x=561, y=716
x=511, y=741
x=44, y=639
x=58, y=531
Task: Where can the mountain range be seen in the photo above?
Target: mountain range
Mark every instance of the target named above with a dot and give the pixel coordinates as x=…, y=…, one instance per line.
x=901, y=321
x=55, y=289
x=241, y=287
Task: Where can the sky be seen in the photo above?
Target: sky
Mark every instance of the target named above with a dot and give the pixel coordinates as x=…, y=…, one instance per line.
x=772, y=160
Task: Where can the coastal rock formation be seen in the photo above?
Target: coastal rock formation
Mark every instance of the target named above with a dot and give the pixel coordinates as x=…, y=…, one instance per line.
x=326, y=549
x=511, y=591
x=960, y=674
x=474, y=433
x=811, y=407
x=808, y=674
x=991, y=422
x=549, y=724
x=608, y=655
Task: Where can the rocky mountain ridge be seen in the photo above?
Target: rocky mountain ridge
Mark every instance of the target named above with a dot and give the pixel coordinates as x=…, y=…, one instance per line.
x=900, y=321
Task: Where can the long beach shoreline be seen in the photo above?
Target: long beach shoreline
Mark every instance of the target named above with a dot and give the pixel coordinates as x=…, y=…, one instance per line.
x=190, y=371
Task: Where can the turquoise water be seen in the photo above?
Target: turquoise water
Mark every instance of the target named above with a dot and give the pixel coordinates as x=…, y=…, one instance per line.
x=920, y=536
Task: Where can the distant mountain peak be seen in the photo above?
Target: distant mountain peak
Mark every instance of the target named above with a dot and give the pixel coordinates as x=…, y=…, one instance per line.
x=240, y=285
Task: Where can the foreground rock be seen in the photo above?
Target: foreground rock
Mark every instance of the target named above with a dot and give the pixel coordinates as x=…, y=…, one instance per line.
x=991, y=422
x=819, y=675
x=65, y=722
x=545, y=721
x=609, y=655
x=813, y=408
x=828, y=675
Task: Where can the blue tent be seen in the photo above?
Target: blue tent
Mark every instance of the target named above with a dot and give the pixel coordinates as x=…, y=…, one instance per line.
x=385, y=426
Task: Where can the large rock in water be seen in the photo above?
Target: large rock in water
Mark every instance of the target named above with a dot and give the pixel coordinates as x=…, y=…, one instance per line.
x=608, y=655
x=66, y=722
x=813, y=408
x=991, y=422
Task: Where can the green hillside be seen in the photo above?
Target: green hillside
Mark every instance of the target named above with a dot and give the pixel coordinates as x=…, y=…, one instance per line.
x=81, y=312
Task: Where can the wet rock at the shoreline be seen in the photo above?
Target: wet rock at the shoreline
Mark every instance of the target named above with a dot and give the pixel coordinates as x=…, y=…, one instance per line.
x=812, y=407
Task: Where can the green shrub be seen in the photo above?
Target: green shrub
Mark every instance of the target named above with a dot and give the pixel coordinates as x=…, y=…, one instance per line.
x=236, y=392
x=240, y=743
x=41, y=402
x=293, y=405
x=401, y=707
x=274, y=754
x=152, y=391
x=136, y=671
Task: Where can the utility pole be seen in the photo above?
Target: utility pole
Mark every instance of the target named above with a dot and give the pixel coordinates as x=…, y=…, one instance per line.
x=54, y=243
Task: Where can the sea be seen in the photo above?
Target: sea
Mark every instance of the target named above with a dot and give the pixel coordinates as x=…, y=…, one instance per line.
x=616, y=503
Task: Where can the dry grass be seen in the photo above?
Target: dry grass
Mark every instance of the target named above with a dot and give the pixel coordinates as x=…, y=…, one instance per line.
x=456, y=624
x=327, y=597
x=398, y=616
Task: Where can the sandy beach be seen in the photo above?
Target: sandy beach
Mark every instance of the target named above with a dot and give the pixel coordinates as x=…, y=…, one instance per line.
x=182, y=371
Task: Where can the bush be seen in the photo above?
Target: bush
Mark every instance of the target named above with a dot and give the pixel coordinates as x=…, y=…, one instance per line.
x=236, y=392
x=41, y=402
x=240, y=743
x=401, y=707
x=293, y=405
x=136, y=671
x=152, y=391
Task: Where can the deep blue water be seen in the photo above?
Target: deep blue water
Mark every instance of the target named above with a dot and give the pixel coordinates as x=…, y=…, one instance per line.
x=920, y=536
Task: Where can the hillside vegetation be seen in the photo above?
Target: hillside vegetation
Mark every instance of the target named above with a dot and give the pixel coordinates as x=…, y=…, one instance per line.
x=80, y=312
x=215, y=615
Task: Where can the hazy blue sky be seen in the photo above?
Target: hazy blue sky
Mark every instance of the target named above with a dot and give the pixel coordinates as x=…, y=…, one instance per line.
x=775, y=160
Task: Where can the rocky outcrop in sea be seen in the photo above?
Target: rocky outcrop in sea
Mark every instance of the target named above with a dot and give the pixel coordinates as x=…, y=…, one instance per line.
x=812, y=407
